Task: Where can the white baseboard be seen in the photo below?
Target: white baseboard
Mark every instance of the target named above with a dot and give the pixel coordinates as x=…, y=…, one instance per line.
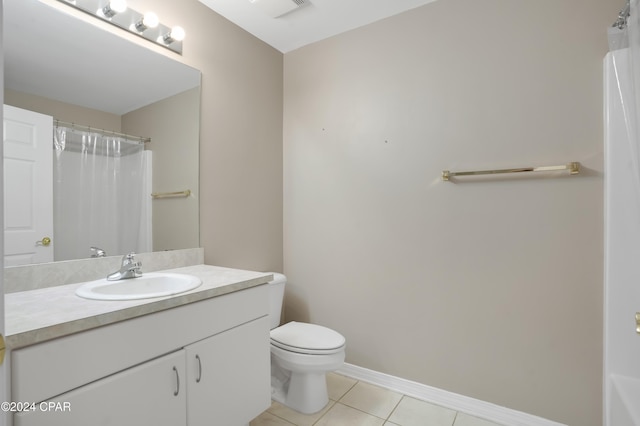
x=485, y=410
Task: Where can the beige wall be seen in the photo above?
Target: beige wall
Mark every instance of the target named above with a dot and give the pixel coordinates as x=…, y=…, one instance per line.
x=174, y=145
x=240, y=136
x=490, y=288
x=64, y=111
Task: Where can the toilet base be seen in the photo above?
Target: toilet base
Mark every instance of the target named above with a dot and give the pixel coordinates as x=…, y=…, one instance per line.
x=303, y=392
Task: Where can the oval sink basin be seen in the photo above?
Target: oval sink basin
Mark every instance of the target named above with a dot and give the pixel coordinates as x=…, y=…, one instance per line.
x=154, y=284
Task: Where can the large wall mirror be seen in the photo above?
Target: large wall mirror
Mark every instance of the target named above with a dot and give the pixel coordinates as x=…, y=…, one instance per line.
x=61, y=64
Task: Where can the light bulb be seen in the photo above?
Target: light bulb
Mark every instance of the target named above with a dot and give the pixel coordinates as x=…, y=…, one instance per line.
x=114, y=7
x=176, y=34
x=149, y=20
x=118, y=6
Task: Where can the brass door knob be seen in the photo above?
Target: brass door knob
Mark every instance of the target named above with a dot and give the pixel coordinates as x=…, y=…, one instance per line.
x=44, y=242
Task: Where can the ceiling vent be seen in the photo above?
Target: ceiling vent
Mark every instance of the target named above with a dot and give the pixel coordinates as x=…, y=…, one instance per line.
x=277, y=8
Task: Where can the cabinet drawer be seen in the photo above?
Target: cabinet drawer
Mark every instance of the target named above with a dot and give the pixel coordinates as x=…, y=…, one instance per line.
x=48, y=369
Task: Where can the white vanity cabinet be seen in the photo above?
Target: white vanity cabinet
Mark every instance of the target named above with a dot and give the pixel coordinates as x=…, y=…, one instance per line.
x=148, y=394
x=225, y=376
x=203, y=363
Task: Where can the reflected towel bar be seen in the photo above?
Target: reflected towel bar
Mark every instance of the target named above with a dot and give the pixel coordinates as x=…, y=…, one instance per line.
x=171, y=194
x=574, y=169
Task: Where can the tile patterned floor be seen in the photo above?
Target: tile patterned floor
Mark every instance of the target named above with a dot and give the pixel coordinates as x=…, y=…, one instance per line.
x=355, y=403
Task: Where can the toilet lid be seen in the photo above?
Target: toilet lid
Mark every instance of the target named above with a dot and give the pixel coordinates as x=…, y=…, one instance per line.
x=306, y=338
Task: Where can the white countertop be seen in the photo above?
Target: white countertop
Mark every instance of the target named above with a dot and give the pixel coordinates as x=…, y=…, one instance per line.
x=38, y=315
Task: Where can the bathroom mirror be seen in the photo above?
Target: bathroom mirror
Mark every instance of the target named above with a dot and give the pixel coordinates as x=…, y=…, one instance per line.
x=62, y=64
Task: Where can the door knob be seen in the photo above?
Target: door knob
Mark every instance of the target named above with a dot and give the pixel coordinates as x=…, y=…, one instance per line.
x=44, y=242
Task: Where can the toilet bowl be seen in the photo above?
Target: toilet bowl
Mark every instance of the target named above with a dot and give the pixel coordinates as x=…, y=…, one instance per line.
x=301, y=355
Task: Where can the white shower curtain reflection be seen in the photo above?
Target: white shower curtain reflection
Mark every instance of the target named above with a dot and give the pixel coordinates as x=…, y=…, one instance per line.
x=98, y=193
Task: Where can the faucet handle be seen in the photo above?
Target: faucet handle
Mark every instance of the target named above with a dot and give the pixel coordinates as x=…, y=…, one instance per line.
x=130, y=268
x=128, y=258
x=135, y=266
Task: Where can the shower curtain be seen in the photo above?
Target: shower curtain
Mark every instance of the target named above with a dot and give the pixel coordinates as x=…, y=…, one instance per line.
x=98, y=193
x=622, y=222
x=627, y=39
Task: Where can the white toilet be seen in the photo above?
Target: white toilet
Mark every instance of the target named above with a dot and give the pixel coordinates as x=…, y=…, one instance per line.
x=301, y=354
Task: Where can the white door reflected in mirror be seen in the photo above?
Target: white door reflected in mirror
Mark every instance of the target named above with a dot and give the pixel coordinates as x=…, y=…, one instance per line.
x=28, y=190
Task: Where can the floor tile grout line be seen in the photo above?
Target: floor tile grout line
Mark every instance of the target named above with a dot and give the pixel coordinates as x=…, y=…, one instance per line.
x=455, y=418
x=357, y=409
x=362, y=411
x=348, y=390
x=319, y=418
x=336, y=402
x=395, y=408
x=346, y=405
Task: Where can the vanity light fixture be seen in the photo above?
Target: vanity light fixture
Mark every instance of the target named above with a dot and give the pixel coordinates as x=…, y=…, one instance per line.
x=147, y=25
x=113, y=8
x=176, y=34
x=149, y=20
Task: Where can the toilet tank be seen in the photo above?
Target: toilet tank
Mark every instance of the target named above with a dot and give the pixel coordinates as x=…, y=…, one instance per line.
x=276, y=296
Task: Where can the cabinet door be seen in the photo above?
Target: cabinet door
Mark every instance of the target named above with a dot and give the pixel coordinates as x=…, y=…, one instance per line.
x=229, y=376
x=153, y=393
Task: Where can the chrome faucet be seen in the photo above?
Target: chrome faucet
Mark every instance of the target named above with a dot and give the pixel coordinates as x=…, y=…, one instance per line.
x=130, y=269
x=97, y=252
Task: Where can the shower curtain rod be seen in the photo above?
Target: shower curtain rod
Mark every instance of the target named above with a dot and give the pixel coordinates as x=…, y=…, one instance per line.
x=102, y=131
x=621, y=22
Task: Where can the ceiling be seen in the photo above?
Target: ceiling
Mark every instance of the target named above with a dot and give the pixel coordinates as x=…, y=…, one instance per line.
x=315, y=20
x=43, y=55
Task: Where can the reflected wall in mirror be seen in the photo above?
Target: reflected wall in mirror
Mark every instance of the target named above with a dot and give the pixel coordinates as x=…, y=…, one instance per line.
x=64, y=65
